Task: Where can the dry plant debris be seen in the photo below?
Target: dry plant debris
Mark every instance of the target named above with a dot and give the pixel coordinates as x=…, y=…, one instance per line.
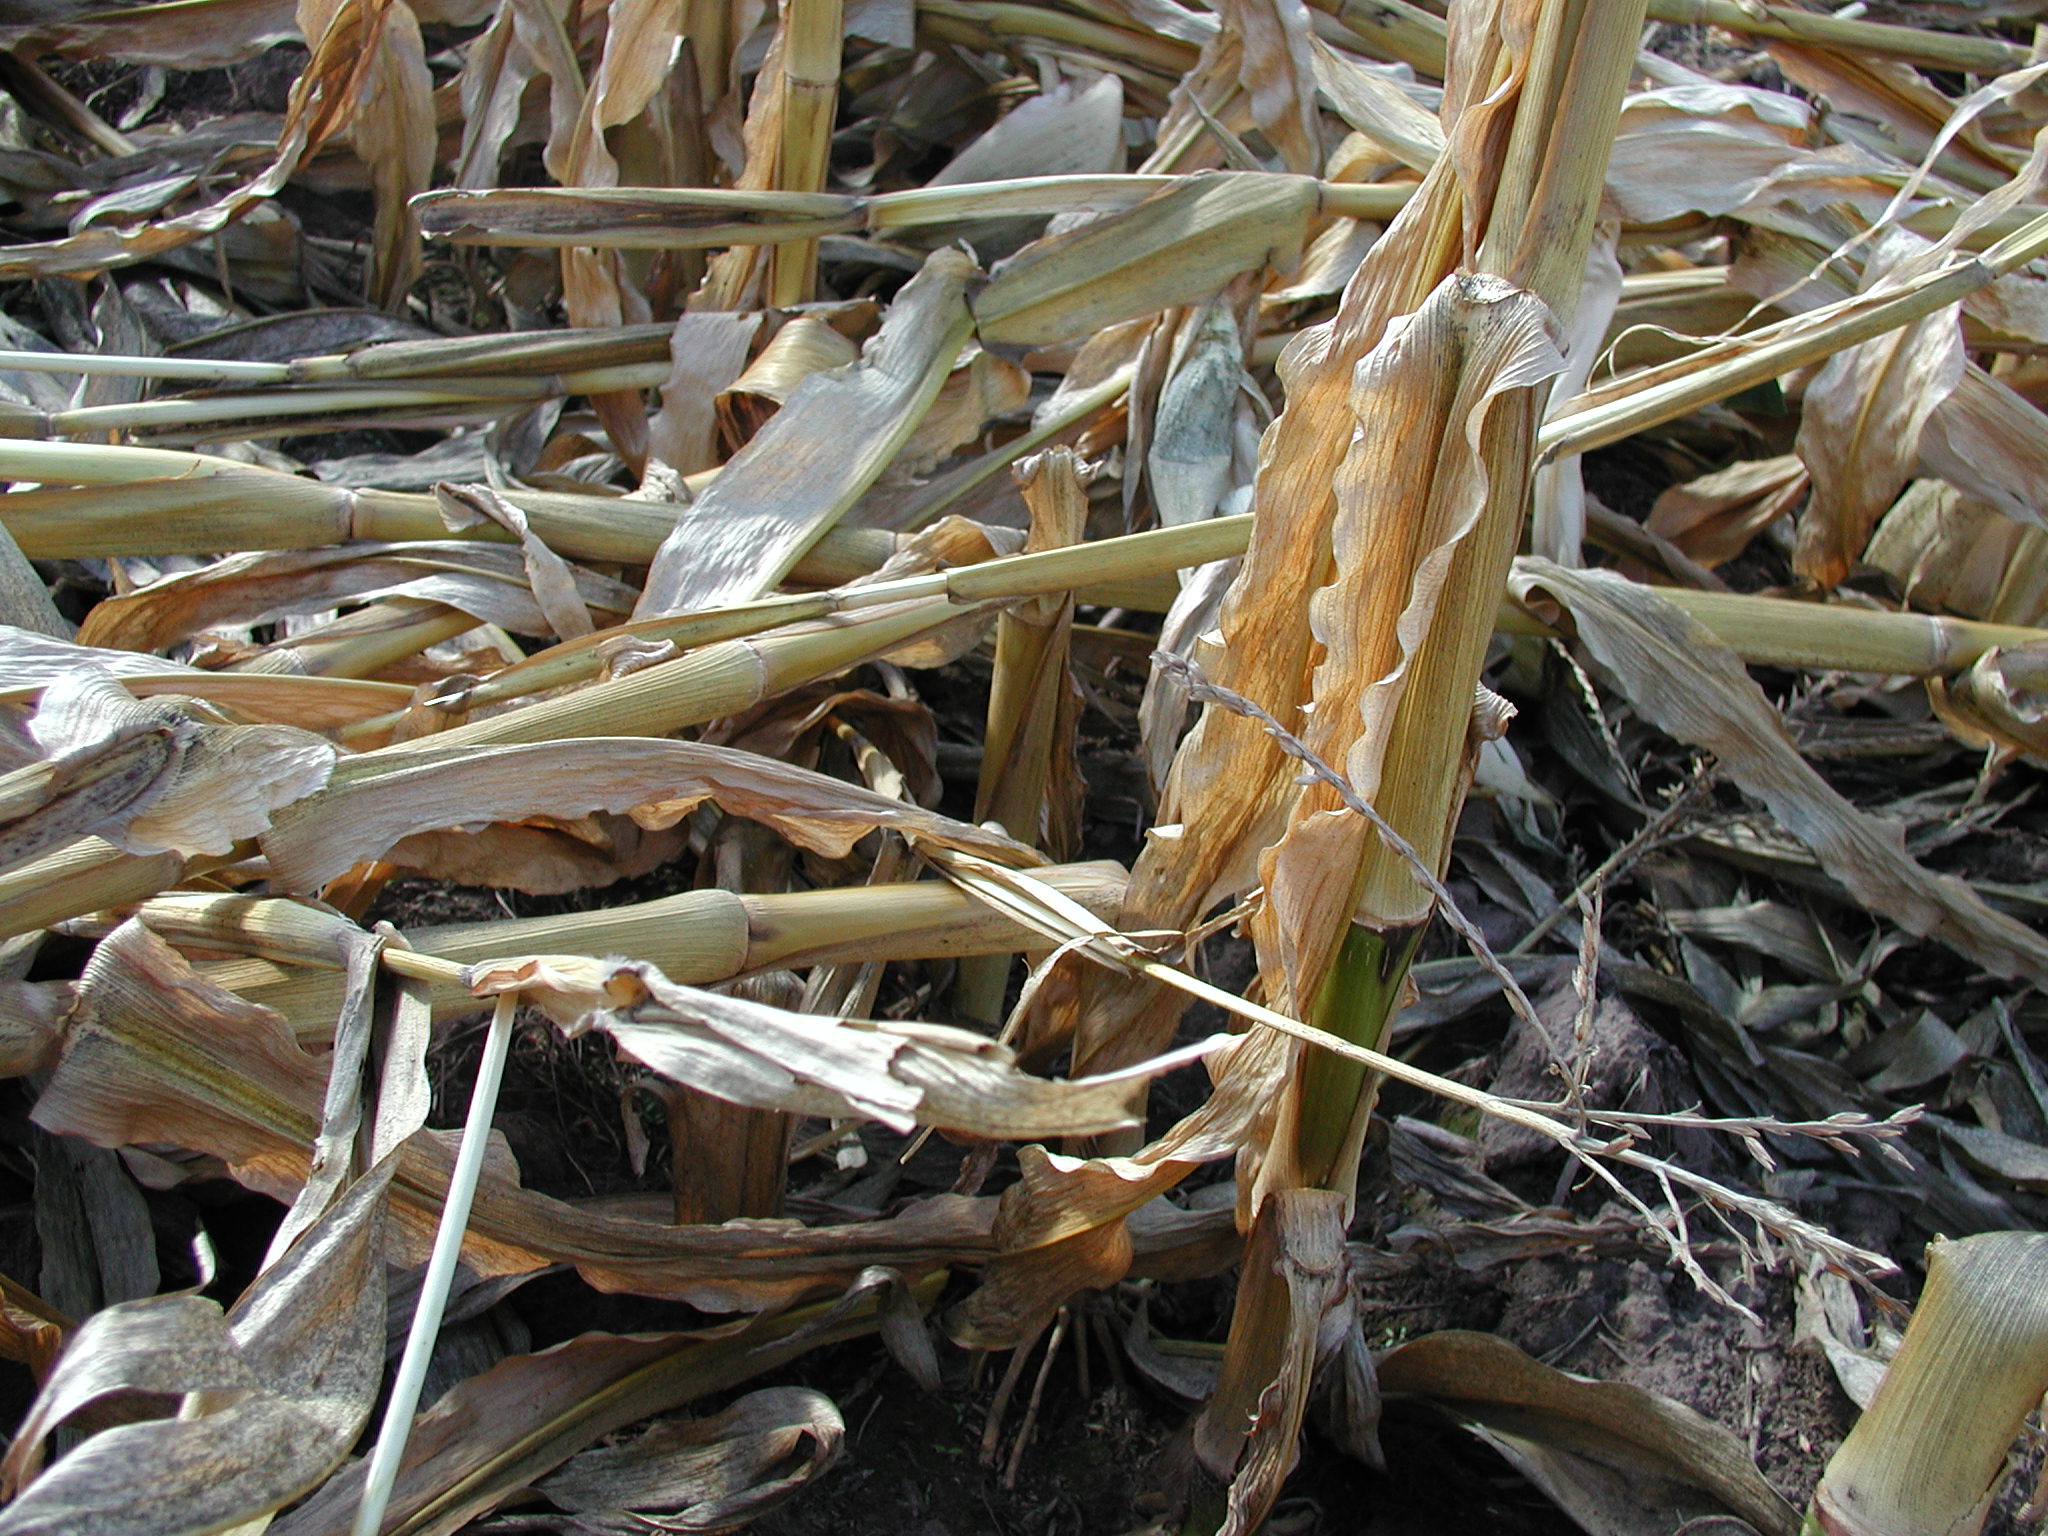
x=1031, y=654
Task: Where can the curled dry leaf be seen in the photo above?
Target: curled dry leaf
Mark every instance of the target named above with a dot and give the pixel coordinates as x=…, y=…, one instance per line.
x=383, y=797
x=1444, y=386
x=2000, y=700
x=712, y=1474
x=1859, y=430
x=765, y=1057
x=500, y=1432
x=1712, y=519
x=148, y=775
x=1621, y=1460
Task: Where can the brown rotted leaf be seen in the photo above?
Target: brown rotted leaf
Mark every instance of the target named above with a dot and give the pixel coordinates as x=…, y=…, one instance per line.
x=155, y=1053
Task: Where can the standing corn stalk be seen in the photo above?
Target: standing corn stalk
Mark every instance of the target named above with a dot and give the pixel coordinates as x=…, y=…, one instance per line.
x=1390, y=499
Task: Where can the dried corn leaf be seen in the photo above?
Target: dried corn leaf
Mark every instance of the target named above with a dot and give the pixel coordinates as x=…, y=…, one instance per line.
x=1378, y=107
x=709, y=1474
x=1073, y=129
x=765, y=1057
x=1444, y=388
x=155, y=1053
x=827, y=445
x=548, y=576
x=149, y=776
x=281, y=1386
x=1056, y=1229
x=1732, y=141
x=1622, y=1461
x=1859, y=429
x=323, y=99
x=500, y=1432
x=1179, y=246
x=395, y=134
x=488, y=581
x=1279, y=76
x=641, y=39
x=1712, y=519
x=392, y=794
x=708, y=356
x=1990, y=444
x=2000, y=700
x=1684, y=679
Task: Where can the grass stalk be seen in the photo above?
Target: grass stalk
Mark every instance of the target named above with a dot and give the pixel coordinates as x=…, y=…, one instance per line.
x=1358, y=1003
x=1537, y=232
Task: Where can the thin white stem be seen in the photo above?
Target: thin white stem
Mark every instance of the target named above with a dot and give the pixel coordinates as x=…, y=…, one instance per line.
x=426, y=1320
x=203, y=369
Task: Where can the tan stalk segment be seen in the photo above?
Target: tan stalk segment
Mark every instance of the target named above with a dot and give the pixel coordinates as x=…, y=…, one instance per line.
x=810, y=67
x=493, y=356
x=1395, y=30
x=1027, y=775
x=691, y=218
x=983, y=22
x=720, y=679
x=1915, y=45
x=695, y=937
x=1429, y=508
x=1927, y=1455
x=1653, y=395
